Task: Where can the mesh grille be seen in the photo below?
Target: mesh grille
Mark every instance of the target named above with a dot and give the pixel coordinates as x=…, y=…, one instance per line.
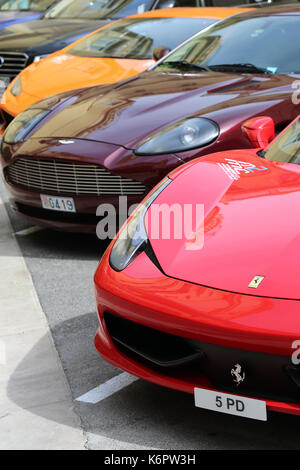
x=12, y=63
x=70, y=178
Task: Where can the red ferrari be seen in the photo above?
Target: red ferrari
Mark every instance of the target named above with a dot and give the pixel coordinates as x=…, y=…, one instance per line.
x=213, y=312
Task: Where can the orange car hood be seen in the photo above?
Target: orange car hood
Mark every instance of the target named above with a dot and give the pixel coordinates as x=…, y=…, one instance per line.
x=77, y=72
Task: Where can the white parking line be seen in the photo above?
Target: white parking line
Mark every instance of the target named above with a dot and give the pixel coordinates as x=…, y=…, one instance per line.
x=107, y=389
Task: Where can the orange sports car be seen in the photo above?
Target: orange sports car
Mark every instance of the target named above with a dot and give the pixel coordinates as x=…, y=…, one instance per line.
x=114, y=52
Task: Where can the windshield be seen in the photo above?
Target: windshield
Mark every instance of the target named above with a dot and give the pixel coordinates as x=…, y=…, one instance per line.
x=286, y=148
x=265, y=42
x=26, y=5
x=90, y=9
x=136, y=38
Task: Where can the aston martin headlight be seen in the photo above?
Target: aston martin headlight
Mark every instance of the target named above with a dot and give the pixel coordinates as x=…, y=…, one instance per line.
x=133, y=239
x=16, y=88
x=180, y=137
x=20, y=127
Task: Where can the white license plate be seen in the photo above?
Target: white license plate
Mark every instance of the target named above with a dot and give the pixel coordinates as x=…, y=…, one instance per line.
x=61, y=204
x=4, y=82
x=231, y=404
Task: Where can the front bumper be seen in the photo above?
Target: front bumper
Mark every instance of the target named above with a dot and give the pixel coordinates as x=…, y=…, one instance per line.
x=28, y=205
x=229, y=327
x=118, y=162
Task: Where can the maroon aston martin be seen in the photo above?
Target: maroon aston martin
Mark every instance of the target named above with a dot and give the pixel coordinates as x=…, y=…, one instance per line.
x=67, y=154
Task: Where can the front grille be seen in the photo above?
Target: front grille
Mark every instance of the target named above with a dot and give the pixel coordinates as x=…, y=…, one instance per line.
x=70, y=178
x=12, y=63
x=155, y=346
x=268, y=376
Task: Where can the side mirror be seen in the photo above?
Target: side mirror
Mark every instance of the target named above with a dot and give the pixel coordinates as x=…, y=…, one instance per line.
x=260, y=131
x=167, y=4
x=159, y=52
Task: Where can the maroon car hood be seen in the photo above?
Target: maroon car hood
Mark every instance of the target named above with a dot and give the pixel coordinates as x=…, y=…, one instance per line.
x=250, y=226
x=125, y=114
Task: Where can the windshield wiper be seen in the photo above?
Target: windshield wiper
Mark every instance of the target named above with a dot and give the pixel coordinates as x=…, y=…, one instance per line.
x=185, y=65
x=262, y=153
x=248, y=68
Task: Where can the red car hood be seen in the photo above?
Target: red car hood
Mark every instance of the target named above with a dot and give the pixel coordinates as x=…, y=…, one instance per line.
x=126, y=113
x=251, y=225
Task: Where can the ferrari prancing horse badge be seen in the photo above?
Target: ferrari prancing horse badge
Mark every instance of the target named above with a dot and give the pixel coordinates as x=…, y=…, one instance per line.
x=255, y=283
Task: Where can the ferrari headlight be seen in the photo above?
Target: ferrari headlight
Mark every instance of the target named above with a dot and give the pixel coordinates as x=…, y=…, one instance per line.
x=133, y=239
x=16, y=88
x=20, y=127
x=184, y=135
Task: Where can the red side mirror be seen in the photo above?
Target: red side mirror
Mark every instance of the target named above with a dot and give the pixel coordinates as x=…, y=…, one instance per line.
x=260, y=131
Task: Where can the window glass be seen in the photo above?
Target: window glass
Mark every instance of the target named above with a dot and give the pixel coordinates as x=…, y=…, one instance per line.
x=270, y=42
x=177, y=3
x=25, y=5
x=136, y=38
x=98, y=9
x=286, y=148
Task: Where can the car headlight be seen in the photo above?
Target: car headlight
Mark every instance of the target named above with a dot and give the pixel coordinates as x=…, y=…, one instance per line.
x=40, y=57
x=184, y=135
x=16, y=88
x=133, y=238
x=20, y=127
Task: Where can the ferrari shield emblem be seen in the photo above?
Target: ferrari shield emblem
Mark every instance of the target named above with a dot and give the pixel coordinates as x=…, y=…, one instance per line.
x=255, y=283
